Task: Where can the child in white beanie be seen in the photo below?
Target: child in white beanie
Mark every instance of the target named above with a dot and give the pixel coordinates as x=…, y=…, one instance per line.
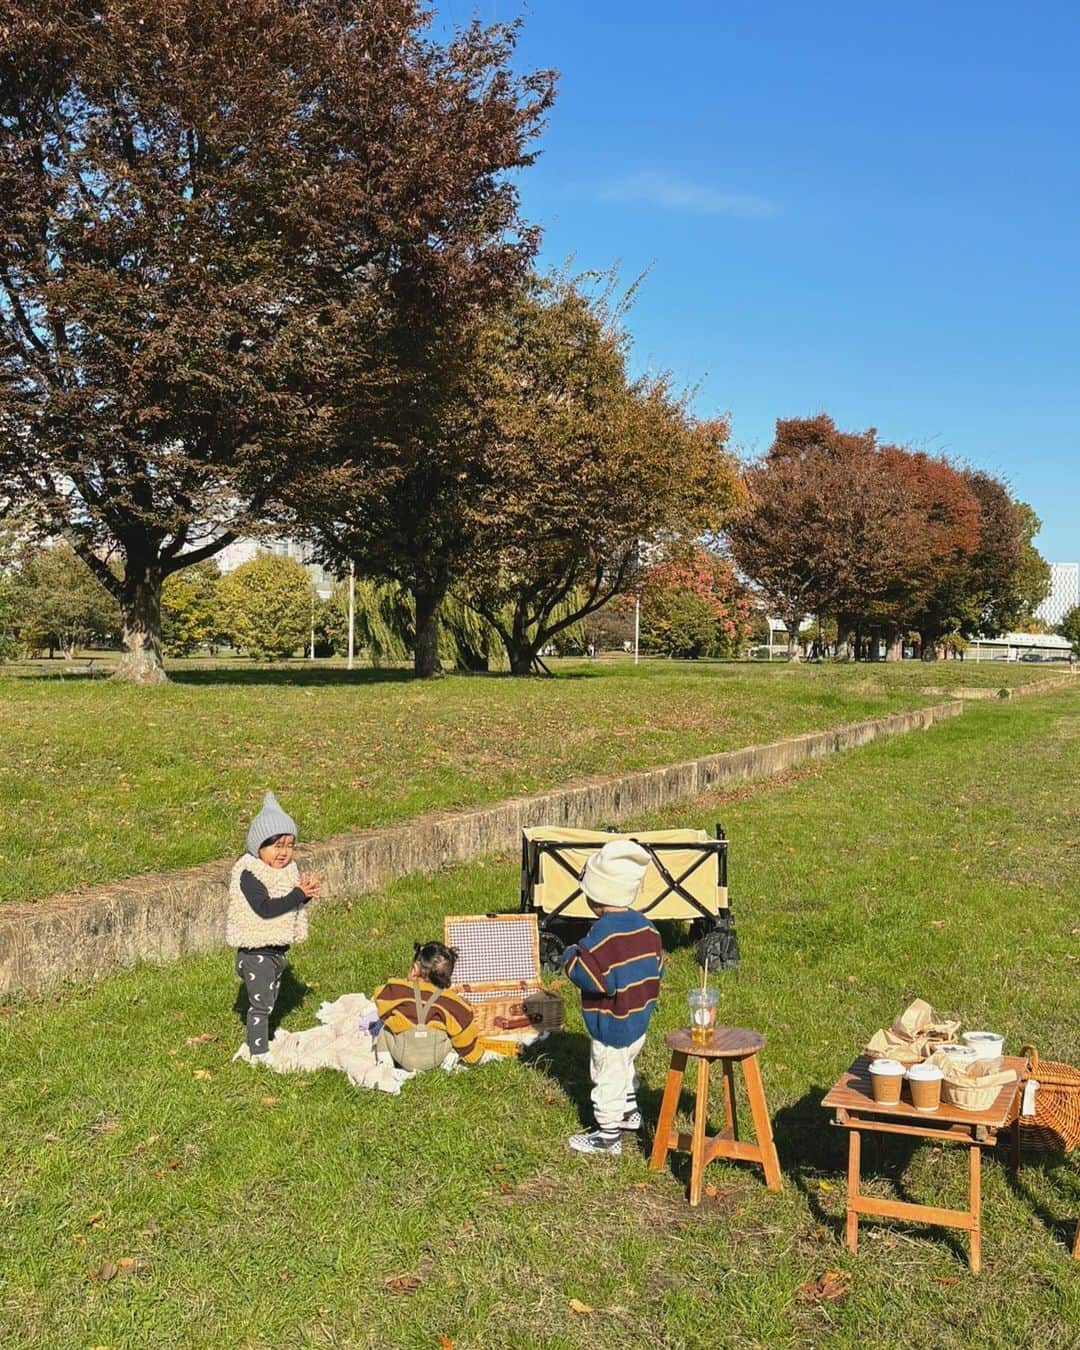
x=617, y=966
x=267, y=899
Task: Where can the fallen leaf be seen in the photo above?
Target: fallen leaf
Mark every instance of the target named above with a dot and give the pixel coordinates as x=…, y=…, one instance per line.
x=97, y=1219
x=269, y=1101
x=170, y=1166
x=641, y=1185
x=852, y=979
x=937, y=923
x=107, y=1125
x=203, y=1038
x=947, y=1279
x=498, y=1167
x=202, y=1074
x=79, y=1237
x=579, y=1307
x=719, y=1192
x=402, y=1284
x=826, y=1186
x=104, y=1273
x=146, y=1143
x=126, y=1264
x=445, y=1343
x=50, y=1138
x=827, y=1288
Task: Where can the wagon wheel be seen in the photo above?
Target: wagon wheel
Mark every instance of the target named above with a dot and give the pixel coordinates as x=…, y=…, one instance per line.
x=551, y=951
x=718, y=945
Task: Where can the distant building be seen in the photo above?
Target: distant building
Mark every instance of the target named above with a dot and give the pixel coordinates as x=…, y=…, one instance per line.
x=1064, y=593
x=243, y=550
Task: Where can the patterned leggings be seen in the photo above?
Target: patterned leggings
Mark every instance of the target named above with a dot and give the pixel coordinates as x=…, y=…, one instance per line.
x=261, y=974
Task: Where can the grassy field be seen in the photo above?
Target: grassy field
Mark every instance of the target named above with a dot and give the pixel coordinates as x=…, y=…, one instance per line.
x=100, y=781
x=244, y=1209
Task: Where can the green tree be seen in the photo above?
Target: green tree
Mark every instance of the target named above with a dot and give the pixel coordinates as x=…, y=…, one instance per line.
x=1070, y=628
x=266, y=606
x=190, y=609
x=60, y=602
x=582, y=465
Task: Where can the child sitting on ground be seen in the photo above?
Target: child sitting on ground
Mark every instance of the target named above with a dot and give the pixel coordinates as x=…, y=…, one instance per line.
x=618, y=966
x=423, y=1024
x=267, y=899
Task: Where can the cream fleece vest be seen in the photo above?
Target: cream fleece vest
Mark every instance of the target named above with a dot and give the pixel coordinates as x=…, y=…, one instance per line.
x=243, y=927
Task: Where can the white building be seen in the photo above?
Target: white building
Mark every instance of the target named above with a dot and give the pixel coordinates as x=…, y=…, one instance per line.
x=1064, y=593
x=243, y=550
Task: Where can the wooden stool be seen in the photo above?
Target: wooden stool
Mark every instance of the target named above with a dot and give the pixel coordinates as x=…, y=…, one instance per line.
x=730, y=1045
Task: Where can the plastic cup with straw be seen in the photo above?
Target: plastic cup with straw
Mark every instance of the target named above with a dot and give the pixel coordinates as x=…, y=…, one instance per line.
x=703, y=1006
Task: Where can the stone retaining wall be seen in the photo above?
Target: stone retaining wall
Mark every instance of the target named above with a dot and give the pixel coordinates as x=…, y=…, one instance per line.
x=159, y=917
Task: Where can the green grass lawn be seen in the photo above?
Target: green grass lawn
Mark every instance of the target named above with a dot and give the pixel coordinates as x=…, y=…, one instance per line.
x=100, y=781
x=245, y=1209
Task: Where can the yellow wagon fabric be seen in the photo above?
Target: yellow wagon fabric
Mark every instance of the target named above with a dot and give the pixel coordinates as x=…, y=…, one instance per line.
x=555, y=883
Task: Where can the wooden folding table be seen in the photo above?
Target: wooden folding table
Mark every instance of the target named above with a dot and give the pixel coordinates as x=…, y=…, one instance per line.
x=854, y=1108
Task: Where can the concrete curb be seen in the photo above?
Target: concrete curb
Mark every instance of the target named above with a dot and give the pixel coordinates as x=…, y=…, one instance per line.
x=159, y=917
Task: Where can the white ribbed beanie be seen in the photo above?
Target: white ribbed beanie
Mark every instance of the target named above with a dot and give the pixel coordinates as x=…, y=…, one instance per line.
x=613, y=876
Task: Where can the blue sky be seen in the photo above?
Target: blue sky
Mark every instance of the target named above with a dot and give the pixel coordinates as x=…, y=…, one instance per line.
x=865, y=210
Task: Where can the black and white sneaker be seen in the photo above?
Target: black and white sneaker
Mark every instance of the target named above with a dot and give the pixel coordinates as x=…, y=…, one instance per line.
x=631, y=1121
x=597, y=1141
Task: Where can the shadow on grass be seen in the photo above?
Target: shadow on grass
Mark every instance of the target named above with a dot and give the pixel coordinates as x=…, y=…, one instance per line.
x=1063, y=1228
x=307, y=677
x=811, y=1149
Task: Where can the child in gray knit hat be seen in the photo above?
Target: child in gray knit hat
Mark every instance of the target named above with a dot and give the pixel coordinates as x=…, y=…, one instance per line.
x=267, y=900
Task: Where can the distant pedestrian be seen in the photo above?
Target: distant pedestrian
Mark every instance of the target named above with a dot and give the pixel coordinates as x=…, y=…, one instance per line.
x=267, y=913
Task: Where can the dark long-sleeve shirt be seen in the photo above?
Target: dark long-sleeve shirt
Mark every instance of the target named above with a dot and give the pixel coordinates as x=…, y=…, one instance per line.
x=265, y=905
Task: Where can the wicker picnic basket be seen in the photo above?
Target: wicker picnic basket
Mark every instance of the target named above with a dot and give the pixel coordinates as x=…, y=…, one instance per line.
x=498, y=965
x=1055, y=1126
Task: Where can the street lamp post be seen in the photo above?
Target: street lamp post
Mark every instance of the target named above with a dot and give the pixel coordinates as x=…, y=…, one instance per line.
x=352, y=613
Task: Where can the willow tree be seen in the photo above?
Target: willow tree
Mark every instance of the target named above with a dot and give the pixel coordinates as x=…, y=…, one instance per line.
x=204, y=208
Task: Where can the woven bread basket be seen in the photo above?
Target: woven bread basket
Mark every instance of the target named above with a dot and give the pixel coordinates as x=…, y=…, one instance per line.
x=1055, y=1126
x=969, y=1096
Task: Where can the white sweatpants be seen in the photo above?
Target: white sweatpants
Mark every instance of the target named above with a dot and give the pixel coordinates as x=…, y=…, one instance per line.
x=615, y=1083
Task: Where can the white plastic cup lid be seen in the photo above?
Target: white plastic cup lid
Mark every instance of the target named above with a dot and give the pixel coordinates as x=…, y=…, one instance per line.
x=925, y=1071
x=887, y=1066
x=982, y=1037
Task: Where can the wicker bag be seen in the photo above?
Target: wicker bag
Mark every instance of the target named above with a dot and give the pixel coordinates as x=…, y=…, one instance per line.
x=1055, y=1126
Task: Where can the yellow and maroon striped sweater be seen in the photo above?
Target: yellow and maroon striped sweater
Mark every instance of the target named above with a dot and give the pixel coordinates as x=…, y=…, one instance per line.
x=397, y=1008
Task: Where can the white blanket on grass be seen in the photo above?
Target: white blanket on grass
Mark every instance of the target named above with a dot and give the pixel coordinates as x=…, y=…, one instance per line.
x=342, y=1041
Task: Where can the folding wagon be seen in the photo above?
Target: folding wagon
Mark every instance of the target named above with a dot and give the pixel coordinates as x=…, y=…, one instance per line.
x=686, y=879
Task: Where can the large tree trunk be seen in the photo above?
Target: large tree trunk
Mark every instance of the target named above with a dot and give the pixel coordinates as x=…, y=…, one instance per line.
x=427, y=596
x=520, y=649
x=140, y=605
x=894, y=645
x=794, y=647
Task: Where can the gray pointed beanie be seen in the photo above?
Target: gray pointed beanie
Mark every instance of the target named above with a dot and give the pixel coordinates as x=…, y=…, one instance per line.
x=614, y=874
x=270, y=821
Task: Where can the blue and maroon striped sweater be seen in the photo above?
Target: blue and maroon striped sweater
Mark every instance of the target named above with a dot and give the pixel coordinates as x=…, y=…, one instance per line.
x=617, y=966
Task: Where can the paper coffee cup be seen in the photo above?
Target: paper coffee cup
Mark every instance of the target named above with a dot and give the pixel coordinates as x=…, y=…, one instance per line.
x=886, y=1078
x=986, y=1044
x=961, y=1056
x=924, y=1083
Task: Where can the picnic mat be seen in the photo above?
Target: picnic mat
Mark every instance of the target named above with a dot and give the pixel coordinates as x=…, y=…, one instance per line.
x=342, y=1041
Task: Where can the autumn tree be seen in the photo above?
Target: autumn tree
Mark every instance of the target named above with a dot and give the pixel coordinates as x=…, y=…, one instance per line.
x=221, y=223
x=693, y=605
x=580, y=466
x=824, y=524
